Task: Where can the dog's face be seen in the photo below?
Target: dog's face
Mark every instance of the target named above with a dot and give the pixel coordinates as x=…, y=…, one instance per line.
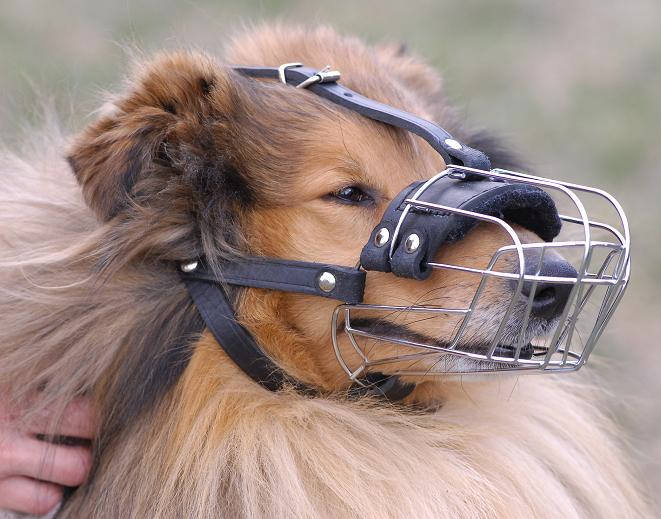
x=333, y=206
x=197, y=160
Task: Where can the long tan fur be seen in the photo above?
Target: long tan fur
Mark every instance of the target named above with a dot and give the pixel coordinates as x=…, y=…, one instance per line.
x=85, y=308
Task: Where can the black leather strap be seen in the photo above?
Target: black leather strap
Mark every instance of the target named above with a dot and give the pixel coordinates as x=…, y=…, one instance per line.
x=437, y=137
x=215, y=309
x=218, y=315
x=289, y=276
x=381, y=385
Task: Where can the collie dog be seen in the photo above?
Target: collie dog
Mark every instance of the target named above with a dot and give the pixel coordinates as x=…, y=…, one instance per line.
x=193, y=159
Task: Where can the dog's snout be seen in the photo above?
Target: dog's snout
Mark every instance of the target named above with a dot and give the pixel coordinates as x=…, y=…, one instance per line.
x=550, y=297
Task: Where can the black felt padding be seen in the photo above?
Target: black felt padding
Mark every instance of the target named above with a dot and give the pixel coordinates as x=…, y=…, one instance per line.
x=523, y=204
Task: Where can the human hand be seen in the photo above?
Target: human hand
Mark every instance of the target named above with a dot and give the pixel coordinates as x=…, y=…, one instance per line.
x=33, y=471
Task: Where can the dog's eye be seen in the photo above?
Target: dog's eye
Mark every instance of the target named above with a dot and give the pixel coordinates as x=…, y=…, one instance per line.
x=352, y=195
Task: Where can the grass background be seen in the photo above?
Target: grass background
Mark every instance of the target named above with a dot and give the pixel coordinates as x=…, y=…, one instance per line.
x=574, y=85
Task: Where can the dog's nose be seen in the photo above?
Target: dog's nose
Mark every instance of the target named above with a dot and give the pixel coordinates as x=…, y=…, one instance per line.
x=550, y=298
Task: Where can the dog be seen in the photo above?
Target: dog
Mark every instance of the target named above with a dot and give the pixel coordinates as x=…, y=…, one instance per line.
x=196, y=160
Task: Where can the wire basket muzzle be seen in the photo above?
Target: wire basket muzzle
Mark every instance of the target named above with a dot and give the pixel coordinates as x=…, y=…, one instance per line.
x=595, y=238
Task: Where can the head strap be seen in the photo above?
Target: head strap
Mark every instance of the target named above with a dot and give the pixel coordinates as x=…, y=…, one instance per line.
x=324, y=84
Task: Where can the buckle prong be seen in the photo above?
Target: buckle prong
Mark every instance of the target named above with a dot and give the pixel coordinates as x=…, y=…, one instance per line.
x=325, y=75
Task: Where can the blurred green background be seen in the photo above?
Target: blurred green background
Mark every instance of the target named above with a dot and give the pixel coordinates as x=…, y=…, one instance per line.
x=574, y=85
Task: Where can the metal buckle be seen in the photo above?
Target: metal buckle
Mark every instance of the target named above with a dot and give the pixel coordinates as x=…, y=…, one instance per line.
x=325, y=75
x=282, y=68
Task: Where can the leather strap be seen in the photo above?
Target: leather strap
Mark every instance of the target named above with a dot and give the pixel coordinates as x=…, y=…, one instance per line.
x=452, y=151
x=216, y=311
x=381, y=385
x=289, y=276
x=211, y=301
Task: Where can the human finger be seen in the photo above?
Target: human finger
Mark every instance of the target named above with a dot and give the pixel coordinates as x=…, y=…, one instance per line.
x=29, y=496
x=59, y=464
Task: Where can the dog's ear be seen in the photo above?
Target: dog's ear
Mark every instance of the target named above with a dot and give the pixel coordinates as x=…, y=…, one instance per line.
x=145, y=128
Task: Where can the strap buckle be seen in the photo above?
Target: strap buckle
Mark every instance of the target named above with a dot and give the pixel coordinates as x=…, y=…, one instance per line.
x=325, y=75
x=283, y=68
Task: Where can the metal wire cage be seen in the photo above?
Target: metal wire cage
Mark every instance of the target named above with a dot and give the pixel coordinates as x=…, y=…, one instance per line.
x=602, y=262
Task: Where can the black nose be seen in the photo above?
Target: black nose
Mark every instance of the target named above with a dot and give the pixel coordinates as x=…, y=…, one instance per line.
x=550, y=298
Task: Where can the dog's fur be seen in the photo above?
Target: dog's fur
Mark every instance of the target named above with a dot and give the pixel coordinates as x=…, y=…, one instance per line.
x=193, y=160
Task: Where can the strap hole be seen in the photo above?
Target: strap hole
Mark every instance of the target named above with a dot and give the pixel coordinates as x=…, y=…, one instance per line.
x=348, y=94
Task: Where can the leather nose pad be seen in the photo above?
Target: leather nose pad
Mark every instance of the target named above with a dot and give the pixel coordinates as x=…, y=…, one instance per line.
x=550, y=298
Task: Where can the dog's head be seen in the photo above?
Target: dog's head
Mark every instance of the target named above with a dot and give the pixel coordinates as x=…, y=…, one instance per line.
x=197, y=160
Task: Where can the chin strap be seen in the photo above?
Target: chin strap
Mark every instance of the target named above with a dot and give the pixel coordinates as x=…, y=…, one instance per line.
x=216, y=310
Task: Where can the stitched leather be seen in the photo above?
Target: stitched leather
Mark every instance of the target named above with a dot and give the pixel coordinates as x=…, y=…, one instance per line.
x=339, y=94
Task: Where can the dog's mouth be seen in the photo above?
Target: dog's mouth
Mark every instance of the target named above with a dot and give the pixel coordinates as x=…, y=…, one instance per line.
x=502, y=353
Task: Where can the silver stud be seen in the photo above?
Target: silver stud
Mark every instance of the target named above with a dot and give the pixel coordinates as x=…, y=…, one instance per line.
x=412, y=243
x=457, y=175
x=188, y=267
x=382, y=237
x=326, y=281
x=451, y=143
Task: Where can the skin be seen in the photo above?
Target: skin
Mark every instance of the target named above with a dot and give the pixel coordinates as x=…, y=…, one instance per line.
x=33, y=472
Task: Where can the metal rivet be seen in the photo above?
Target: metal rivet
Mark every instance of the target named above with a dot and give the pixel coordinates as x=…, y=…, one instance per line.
x=457, y=175
x=188, y=267
x=382, y=237
x=326, y=281
x=451, y=143
x=412, y=243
